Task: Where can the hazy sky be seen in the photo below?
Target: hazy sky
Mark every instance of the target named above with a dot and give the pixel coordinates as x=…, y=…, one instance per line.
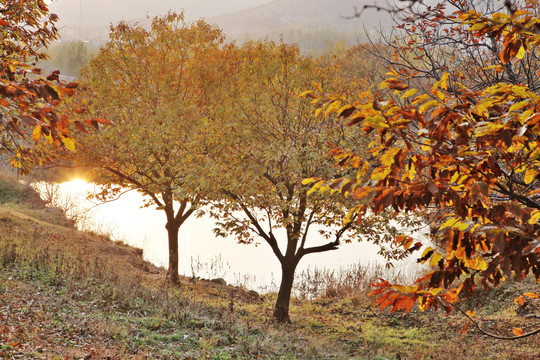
x=105, y=11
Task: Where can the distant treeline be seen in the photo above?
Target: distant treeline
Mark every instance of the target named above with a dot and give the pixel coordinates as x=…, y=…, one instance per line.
x=69, y=57
x=315, y=42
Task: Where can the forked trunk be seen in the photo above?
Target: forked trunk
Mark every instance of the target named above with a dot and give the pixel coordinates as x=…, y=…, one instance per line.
x=281, y=310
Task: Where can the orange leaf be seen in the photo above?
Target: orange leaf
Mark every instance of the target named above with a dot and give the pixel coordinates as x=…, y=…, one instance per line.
x=519, y=300
x=517, y=331
x=531, y=295
x=407, y=306
x=465, y=327
x=36, y=133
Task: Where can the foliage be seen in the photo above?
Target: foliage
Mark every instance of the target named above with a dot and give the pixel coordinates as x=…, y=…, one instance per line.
x=469, y=156
x=61, y=289
x=362, y=63
x=69, y=57
x=430, y=39
x=269, y=144
x=156, y=85
x=27, y=103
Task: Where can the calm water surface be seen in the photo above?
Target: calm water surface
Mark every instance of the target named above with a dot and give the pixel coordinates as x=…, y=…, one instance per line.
x=201, y=252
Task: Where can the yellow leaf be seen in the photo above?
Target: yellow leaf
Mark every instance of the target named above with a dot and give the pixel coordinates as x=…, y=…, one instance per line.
x=309, y=180
x=500, y=17
x=530, y=174
x=435, y=291
x=521, y=53
x=519, y=105
x=444, y=81
x=381, y=173
x=460, y=225
x=333, y=107
x=531, y=295
x=68, y=143
x=535, y=216
x=422, y=303
x=408, y=93
x=426, y=251
x=420, y=99
x=49, y=138
x=448, y=223
x=439, y=95
x=376, y=122
x=324, y=189
x=315, y=187
x=434, y=261
x=388, y=157
x=476, y=263
x=486, y=128
x=36, y=133
x=428, y=105
x=350, y=215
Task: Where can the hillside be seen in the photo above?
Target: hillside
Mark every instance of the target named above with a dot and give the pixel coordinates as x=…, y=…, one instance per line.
x=240, y=19
x=281, y=16
x=65, y=294
x=90, y=19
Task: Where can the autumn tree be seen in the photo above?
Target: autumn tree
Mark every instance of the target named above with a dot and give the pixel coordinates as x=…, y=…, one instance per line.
x=70, y=57
x=363, y=63
x=155, y=85
x=469, y=150
x=28, y=103
x=268, y=142
x=428, y=39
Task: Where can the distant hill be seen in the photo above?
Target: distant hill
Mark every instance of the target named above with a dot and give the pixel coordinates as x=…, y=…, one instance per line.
x=90, y=19
x=240, y=19
x=281, y=16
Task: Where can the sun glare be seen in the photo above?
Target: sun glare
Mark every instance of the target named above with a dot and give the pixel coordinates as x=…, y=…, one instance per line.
x=77, y=186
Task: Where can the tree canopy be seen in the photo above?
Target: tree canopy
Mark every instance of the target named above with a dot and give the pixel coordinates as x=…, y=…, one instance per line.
x=469, y=155
x=270, y=141
x=156, y=85
x=28, y=103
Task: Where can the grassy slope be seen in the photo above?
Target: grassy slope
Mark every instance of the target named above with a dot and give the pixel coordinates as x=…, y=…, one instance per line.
x=67, y=294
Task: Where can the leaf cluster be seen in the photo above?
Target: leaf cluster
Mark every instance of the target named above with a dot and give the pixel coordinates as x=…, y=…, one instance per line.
x=469, y=157
x=28, y=104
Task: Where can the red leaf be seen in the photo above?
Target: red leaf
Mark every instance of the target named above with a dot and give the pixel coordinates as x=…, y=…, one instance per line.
x=465, y=327
x=79, y=125
x=28, y=120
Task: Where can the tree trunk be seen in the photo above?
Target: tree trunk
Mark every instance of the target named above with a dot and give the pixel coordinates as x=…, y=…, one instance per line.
x=281, y=310
x=172, y=272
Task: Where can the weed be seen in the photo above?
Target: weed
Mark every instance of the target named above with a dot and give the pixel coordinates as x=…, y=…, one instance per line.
x=80, y=290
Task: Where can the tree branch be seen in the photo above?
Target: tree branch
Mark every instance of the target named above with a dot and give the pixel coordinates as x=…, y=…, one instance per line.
x=270, y=239
x=136, y=183
x=334, y=245
x=500, y=337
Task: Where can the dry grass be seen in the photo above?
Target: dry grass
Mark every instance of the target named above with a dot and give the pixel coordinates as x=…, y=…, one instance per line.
x=64, y=293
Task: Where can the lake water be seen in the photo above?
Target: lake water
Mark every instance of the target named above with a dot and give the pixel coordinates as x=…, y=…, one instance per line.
x=201, y=252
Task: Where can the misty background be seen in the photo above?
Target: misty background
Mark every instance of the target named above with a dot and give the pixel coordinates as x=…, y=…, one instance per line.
x=318, y=26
